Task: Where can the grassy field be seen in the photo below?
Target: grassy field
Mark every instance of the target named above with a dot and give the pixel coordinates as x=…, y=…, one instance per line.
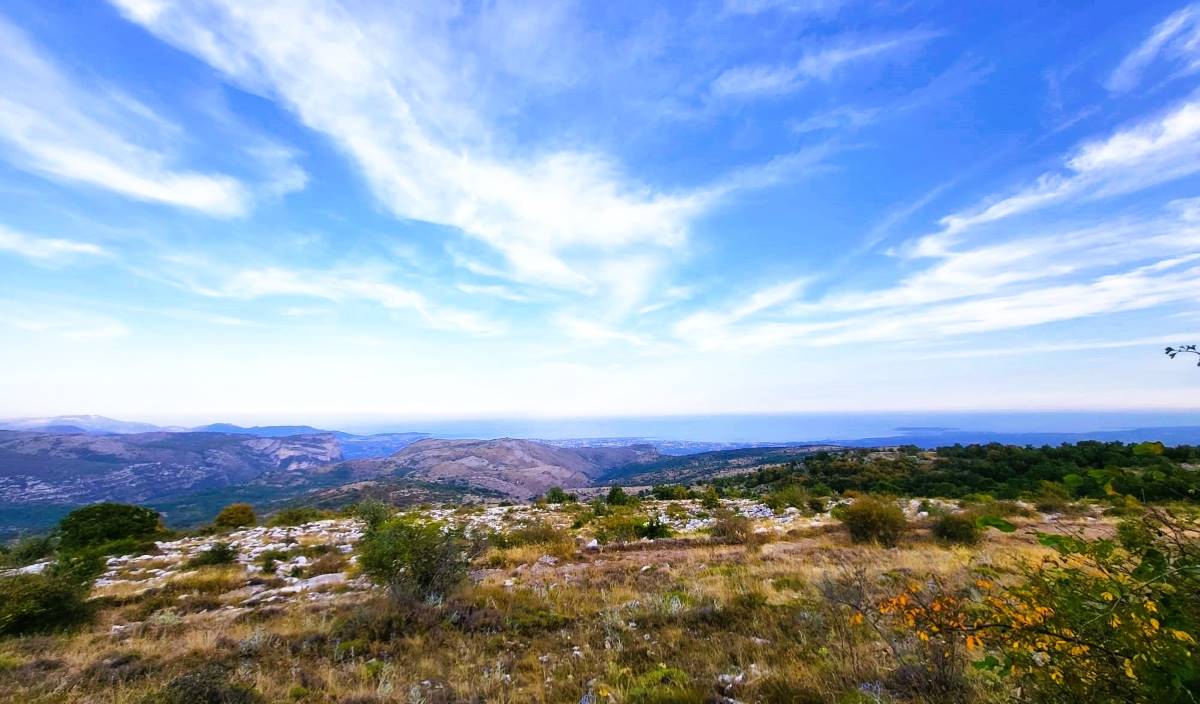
x=690, y=618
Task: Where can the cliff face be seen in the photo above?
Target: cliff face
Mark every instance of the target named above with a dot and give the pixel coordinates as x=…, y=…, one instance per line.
x=75, y=469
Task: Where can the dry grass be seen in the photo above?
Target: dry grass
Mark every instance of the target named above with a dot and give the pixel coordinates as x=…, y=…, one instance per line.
x=599, y=622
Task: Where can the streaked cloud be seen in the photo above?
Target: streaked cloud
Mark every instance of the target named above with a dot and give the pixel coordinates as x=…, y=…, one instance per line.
x=1174, y=42
x=760, y=80
x=46, y=249
x=50, y=124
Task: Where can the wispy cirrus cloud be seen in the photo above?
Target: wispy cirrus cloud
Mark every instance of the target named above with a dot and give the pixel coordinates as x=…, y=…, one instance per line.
x=53, y=126
x=396, y=94
x=1175, y=41
x=68, y=324
x=764, y=80
x=1152, y=151
x=46, y=249
x=344, y=286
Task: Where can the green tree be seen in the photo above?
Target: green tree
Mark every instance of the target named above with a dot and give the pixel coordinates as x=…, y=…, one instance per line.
x=416, y=559
x=236, y=516
x=618, y=497
x=556, y=495
x=93, y=526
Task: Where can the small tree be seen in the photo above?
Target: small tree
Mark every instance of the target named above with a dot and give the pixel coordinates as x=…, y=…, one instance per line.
x=373, y=512
x=874, y=520
x=618, y=497
x=235, y=516
x=556, y=495
x=95, y=525
x=417, y=560
x=217, y=554
x=710, y=499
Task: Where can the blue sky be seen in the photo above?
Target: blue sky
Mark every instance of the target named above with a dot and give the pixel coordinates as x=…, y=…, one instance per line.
x=303, y=210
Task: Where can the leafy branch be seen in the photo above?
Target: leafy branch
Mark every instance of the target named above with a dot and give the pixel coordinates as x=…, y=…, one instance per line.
x=1184, y=349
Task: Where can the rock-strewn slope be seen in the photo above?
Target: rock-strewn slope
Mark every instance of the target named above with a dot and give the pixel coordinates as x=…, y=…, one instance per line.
x=75, y=469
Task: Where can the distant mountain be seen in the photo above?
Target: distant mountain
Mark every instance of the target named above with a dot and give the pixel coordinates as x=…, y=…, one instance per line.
x=929, y=438
x=706, y=465
x=263, y=431
x=516, y=468
x=45, y=468
x=84, y=423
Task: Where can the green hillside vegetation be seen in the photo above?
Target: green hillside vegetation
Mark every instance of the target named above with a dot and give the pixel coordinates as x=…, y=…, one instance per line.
x=1084, y=470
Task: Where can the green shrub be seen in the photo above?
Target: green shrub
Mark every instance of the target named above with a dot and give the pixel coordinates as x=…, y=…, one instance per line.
x=792, y=495
x=734, y=527
x=556, y=495
x=874, y=520
x=710, y=499
x=95, y=525
x=670, y=492
x=618, y=497
x=373, y=513
x=217, y=554
x=628, y=526
x=416, y=559
x=208, y=684
x=1053, y=498
x=653, y=529
x=236, y=516
x=959, y=528
x=53, y=600
x=26, y=550
x=297, y=516
x=530, y=534
x=664, y=685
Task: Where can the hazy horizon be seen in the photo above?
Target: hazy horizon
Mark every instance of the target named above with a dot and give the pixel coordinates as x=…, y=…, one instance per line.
x=777, y=427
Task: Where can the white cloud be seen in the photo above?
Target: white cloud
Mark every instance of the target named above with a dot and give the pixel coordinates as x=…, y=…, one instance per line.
x=63, y=323
x=396, y=94
x=1151, y=152
x=1119, y=265
x=46, y=248
x=821, y=65
x=54, y=127
x=803, y=7
x=1176, y=38
x=344, y=286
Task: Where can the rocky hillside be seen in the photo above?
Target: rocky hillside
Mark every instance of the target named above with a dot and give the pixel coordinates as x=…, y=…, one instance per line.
x=517, y=468
x=47, y=468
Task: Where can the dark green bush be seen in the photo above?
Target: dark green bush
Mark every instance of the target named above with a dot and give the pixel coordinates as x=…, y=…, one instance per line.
x=297, y=516
x=556, y=495
x=416, y=559
x=874, y=520
x=710, y=499
x=95, y=525
x=959, y=528
x=618, y=497
x=670, y=492
x=218, y=554
x=653, y=529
